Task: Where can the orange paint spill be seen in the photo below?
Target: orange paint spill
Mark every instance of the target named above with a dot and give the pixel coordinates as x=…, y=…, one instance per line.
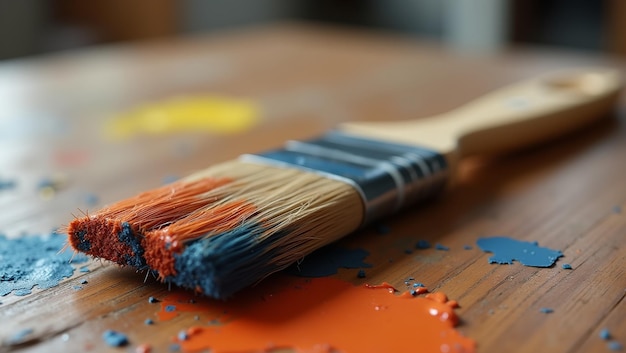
x=321, y=315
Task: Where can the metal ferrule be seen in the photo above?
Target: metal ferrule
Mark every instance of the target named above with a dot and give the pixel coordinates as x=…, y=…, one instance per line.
x=388, y=176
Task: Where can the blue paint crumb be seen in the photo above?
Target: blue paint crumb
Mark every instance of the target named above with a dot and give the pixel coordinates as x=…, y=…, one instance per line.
x=615, y=346
x=566, y=266
x=170, y=308
x=361, y=274
x=467, y=247
x=20, y=336
x=114, y=338
x=413, y=292
x=34, y=261
x=418, y=284
x=149, y=322
x=153, y=300
x=441, y=247
x=183, y=336
x=422, y=244
x=506, y=250
x=77, y=287
x=175, y=347
x=605, y=334
x=546, y=310
x=382, y=228
x=7, y=184
x=328, y=260
x=84, y=281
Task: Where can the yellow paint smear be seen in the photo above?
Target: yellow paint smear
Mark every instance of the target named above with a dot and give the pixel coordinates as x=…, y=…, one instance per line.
x=213, y=114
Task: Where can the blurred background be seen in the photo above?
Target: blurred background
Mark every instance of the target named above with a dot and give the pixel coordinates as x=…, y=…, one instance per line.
x=32, y=27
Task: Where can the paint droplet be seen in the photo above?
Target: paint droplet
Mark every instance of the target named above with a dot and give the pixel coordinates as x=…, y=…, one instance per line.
x=566, y=266
x=546, y=310
x=422, y=244
x=605, y=334
x=114, y=338
x=170, y=308
x=615, y=346
x=152, y=300
x=7, y=184
x=143, y=348
x=149, y=322
x=441, y=247
x=506, y=250
x=467, y=247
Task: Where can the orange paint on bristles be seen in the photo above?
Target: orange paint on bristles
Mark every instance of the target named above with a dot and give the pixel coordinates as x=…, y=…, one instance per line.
x=146, y=212
x=161, y=244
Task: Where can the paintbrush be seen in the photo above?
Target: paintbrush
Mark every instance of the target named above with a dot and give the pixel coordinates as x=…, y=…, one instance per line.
x=226, y=227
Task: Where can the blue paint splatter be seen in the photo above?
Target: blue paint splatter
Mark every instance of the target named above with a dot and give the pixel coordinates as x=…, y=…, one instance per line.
x=114, y=338
x=506, y=250
x=546, y=310
x=7, y=184
x=183, y=336
x=615, y=346
x=170, y=308
x=34, y=261
x=422, y=244
x=441, y=247
x=605, y=334
x=328, y=260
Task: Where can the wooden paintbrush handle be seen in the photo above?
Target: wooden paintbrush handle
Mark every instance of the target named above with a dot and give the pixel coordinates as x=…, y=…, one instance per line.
x=510, y=117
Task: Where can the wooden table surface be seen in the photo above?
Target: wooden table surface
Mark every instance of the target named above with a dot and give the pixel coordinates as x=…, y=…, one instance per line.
x=565, y=194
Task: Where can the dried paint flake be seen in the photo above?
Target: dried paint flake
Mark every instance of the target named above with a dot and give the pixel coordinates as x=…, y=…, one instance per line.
x=170, y=308
x=114, y=338
x=546, y=310
x=467, y=247
x=34, y=261
x=149, y=322
x=441, y=247
x=422, y=244
x=506, y=250
x=615, y=346
x=153, y=300
x=566, y=266
x=7, y=184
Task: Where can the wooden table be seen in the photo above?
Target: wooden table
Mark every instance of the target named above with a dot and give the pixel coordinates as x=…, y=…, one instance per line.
x=565, y=194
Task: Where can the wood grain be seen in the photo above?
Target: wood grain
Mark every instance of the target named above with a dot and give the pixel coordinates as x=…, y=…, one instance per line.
x=308, y=79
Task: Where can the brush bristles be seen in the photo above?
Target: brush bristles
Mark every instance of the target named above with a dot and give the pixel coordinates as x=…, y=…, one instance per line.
x=223, y=228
